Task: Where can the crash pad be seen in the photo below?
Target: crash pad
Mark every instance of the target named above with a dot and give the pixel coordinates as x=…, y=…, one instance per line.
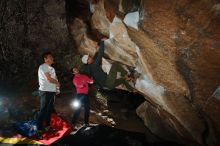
x=27, y=128
x=19, y=140
x=61, y=127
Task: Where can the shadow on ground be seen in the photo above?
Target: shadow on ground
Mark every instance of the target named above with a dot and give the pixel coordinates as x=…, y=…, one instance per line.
x=102, y=135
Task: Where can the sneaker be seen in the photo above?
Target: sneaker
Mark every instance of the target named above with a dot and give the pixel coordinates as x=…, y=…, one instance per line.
x=75, y=128
x=50, y=129
x=136, y=76
x=86, y=125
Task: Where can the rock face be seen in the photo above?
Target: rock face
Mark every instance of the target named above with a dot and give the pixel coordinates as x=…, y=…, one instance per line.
x=28, y=28
x=174, y=46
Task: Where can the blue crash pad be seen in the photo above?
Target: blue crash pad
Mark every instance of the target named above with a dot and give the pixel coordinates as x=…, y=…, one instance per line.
x=27, y=128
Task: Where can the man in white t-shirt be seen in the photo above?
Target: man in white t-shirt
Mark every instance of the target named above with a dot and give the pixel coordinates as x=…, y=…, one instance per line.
x=48, y=84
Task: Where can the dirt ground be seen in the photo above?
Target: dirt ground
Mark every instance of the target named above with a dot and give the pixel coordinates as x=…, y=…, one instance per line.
x=109, y=108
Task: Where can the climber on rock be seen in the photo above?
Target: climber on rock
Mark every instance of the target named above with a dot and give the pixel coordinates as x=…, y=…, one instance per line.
x=102, y=79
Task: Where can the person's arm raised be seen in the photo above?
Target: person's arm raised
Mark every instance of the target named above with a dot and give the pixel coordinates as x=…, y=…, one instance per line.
x=98, y=59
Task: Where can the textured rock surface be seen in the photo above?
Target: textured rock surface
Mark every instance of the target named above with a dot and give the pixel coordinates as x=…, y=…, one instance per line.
x=175, y=47
x=28, y=28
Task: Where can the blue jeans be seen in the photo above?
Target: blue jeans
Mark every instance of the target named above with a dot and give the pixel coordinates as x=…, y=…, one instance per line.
x=46, y=108
x=83, y=98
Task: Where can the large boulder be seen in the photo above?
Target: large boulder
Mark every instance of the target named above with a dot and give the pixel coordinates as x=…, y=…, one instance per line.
x=174, y=46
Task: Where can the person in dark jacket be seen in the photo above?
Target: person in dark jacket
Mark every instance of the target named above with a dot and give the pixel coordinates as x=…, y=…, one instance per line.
x=102, y=79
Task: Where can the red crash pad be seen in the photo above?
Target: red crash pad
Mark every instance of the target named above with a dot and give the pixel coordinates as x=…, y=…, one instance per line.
x=62, y=128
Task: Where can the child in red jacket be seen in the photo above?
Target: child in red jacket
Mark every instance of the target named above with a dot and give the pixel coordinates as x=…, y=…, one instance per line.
x=81, y=82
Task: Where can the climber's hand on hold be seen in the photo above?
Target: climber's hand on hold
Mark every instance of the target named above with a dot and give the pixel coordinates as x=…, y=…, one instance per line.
x=105, y=38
